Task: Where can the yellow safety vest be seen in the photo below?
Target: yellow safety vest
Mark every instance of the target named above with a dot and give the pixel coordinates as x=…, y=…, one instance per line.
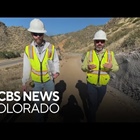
x=99, y=76
x=39, y=70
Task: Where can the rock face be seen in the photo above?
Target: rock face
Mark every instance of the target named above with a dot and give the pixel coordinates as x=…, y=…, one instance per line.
x=127, y=79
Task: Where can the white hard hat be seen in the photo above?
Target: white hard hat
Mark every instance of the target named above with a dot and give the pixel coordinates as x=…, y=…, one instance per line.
x=100, y=35
x=37, y=26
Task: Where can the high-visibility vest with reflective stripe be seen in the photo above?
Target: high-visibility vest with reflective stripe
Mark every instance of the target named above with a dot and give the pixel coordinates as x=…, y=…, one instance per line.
x=99, y=75
x=39, y=70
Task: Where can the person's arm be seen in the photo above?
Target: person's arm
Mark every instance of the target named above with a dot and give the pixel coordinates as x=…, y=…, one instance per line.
x=84, y=65
x=115, y=66
x=26, y=70
x=56, y=64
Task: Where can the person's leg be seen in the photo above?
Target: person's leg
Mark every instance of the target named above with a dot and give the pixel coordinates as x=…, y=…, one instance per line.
x=49, y=87
x=102, y=92
x=92, y=101
x=38, y=116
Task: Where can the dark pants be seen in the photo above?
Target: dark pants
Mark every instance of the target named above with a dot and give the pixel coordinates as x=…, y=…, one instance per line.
x=95, y=97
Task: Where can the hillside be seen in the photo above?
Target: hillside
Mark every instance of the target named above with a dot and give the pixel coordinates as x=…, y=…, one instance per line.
x=123, y=36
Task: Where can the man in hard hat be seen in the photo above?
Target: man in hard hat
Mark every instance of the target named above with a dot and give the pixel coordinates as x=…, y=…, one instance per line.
x=40, y=63
x=97, y=65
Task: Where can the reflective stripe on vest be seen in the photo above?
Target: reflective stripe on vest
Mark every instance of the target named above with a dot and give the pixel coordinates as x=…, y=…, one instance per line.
x=99, y=75
x=50, y=51
x=39, y=70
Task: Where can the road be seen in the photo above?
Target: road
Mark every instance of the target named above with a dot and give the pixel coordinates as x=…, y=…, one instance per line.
x=10, y=62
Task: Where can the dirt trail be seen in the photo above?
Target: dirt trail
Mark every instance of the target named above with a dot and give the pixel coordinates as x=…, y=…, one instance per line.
x=115, y=107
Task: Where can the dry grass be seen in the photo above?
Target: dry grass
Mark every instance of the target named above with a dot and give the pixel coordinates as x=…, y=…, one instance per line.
x=11, y=78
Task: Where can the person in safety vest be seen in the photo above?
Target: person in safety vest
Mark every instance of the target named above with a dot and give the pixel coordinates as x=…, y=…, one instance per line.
x=97, y=64
x=40, y=64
